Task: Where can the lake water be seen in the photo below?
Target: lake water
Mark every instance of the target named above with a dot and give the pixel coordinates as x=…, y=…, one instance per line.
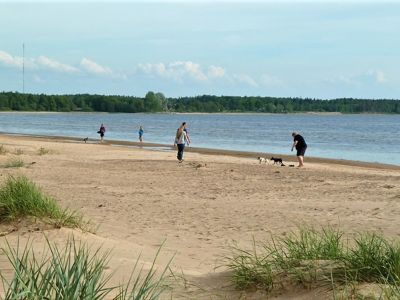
x=372, y=138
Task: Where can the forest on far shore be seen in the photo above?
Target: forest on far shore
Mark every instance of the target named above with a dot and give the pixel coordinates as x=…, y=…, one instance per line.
x=157, y=102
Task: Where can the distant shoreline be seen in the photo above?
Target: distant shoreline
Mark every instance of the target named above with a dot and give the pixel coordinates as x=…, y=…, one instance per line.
x=198, y=113
x=209, y=151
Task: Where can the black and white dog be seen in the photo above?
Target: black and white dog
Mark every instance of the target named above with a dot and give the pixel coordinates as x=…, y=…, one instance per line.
x=262, y=160
x=277, y=161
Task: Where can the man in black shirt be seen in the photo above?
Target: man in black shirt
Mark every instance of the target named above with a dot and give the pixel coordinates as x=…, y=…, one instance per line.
x=300, y=144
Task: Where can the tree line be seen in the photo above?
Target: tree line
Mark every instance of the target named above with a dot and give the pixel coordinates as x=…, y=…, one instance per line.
x=157, y=102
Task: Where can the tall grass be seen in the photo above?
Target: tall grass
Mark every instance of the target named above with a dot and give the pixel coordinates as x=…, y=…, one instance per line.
x=20, y=197
x=318, y=258
x=251, y=268
x=147, y=285
x=74, y=273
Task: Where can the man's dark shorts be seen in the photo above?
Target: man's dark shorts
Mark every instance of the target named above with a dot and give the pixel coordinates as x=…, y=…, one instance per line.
x=301, y=151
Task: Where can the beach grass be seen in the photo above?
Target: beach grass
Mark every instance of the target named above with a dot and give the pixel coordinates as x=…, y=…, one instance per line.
x=322, y=258
x=18, y=151
x=20, y=197
x=75, y=272
x=3, y=150
x=146, y=285
x=43, y=151
x=14, y=163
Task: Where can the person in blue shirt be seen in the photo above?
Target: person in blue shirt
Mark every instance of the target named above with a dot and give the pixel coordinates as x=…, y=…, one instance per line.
x=141, y=131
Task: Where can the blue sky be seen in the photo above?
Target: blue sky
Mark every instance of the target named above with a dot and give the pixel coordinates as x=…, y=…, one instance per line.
x=321, y=49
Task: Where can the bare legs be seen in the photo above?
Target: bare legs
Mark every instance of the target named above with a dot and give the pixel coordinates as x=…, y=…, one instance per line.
x=301, y=161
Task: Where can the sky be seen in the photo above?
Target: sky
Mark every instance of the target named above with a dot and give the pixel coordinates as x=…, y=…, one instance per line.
x=318, y=49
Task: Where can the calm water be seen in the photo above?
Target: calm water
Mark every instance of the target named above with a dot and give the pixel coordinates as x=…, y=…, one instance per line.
x=373, y=138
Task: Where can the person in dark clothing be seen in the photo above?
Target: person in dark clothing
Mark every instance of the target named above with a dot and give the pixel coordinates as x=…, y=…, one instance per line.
x=301, y=146
x=102, y=131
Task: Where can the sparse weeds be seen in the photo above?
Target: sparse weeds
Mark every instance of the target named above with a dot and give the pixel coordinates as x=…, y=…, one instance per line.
x=15, y=163
x=3, y=150
x=43, y=151
x=75, y=272
x=321, y=258
x=18, y=151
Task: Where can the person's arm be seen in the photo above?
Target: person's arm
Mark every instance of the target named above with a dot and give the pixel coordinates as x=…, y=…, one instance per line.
x=294, y=144
x=175, y=141
x=187, y=138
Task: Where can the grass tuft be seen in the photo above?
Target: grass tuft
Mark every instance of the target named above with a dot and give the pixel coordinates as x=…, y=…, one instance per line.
x=251, y=269
x=74, y=272
x=19, y=151
x=3, y=150
x=19, y=197
x=319, y=258
x=43, y=151
x=145, y=285
x=15, y=163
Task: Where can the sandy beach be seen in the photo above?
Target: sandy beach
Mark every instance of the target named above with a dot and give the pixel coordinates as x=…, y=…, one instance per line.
x=138, y=198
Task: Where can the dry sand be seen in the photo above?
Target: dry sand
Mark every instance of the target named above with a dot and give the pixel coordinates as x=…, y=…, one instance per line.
x=140, y=198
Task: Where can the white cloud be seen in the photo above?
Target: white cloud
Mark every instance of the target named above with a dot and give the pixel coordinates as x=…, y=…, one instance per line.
x=244, y=78
x=377, y=75
x=361, y=79
x=187, y=68
x=54, y=65
x=35, y=63
x=181, y=70
x=216, y=72
x=95, y=68
x=9, y=60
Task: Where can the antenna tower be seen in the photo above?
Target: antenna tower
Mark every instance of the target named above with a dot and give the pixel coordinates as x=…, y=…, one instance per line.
x=23, y=68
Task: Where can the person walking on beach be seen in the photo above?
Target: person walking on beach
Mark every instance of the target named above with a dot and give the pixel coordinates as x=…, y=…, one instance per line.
x=102, y=131
x=300, y=144
x=181, y=140
x=141, y=131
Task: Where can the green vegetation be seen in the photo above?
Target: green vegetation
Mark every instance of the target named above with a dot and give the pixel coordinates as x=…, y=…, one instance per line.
x=75, y=272
x=156, y=102
x=43, y=151
x=21, y=198
x=14, y=163
x=315, y=258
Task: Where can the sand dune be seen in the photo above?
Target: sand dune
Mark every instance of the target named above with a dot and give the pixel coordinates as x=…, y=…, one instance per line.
x=140, y=198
